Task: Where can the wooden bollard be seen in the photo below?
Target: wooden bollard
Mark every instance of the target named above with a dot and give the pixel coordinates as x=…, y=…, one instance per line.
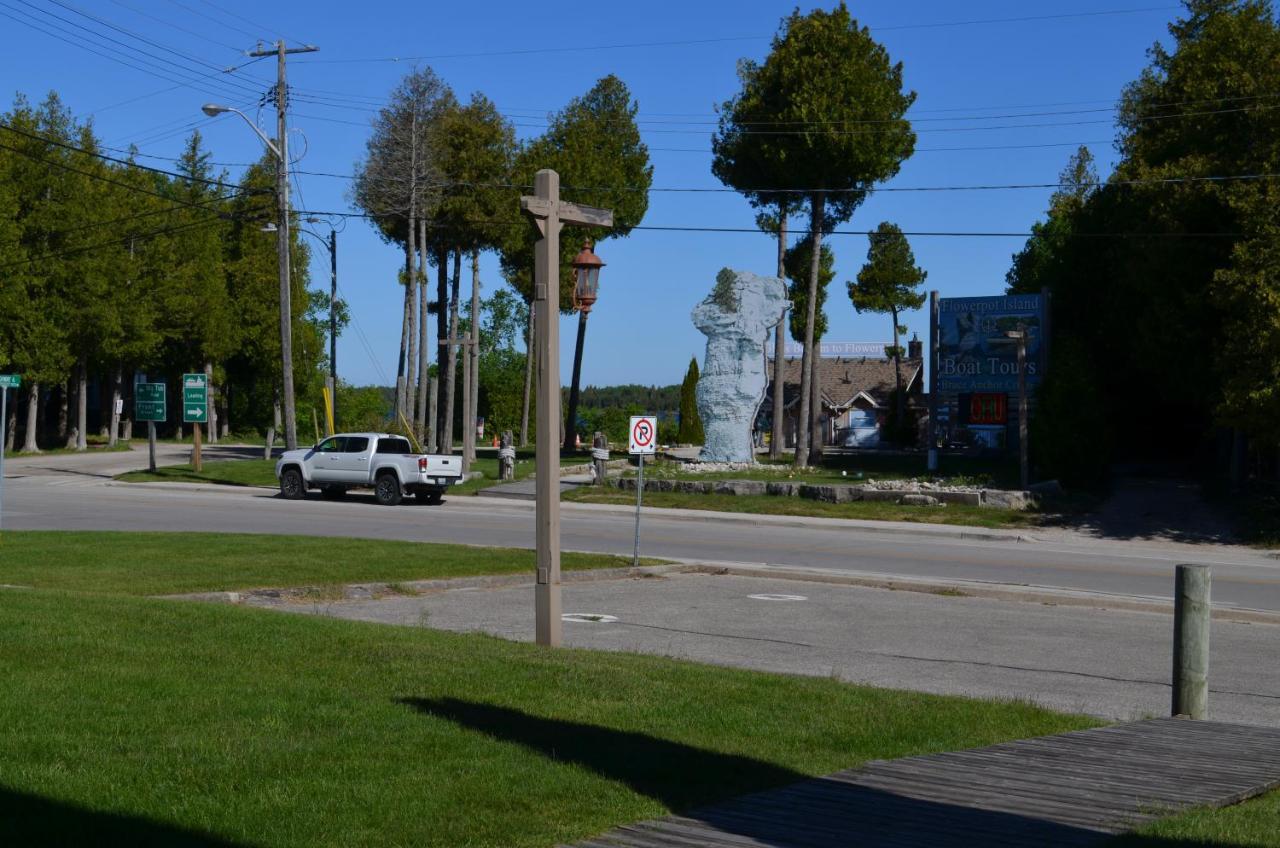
x=506, y=457
x=1191, y=641
x=600, y=456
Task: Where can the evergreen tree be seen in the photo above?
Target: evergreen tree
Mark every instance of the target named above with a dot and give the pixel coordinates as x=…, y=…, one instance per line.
x=691, y=432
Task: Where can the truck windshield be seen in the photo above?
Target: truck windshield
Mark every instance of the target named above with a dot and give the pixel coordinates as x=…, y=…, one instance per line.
x=394, y=446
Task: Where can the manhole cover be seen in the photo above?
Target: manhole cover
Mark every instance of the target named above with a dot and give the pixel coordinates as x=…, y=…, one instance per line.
x=770, y=597
x=592, y=617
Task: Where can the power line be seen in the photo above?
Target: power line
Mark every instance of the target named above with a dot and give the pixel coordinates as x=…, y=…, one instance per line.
x=243, y=19
x=702, y=41
x=163, y=22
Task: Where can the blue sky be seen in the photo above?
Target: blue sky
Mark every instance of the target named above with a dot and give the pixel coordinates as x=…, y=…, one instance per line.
x=1059, y=76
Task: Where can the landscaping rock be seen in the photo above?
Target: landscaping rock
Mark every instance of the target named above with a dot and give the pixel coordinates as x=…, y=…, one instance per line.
x=784, y=490
x=1050, y=488
x=827, y=494
x=918, y=500
x=1004, y=499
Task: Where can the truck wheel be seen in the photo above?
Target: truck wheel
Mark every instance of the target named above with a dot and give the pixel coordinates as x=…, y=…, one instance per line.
x=387, y=490
x=430, y=497
x=291, y=486
x=333, y=493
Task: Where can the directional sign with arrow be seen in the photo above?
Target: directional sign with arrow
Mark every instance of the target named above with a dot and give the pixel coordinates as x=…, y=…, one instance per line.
x=195, y=398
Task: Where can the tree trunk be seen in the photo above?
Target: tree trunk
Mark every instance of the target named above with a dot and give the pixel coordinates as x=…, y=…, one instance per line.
x=117, y=379
x=442, y=344
x=804, y=422
x=424, y=359
x=777, y=438
x=30, y=444
x=411, y=364
x=271, y=431
x=212, y=406
x=474, y=349
x=106, y=409
x=405, y=323
x=226, y=411
x=528, y=382
x=12, y=424
x=817, y=437
x=899, y=402
x=450, y=389
x=64, y=390
x=82, y=405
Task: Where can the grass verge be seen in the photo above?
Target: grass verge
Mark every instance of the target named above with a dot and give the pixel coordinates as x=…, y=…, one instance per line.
x=130, y=721
x=970, y=516
x=855, y=469
x=176, y=563
x=227, y=472
x=1253, y=824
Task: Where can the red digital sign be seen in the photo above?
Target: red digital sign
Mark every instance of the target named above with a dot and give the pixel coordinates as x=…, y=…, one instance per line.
x=988, y=408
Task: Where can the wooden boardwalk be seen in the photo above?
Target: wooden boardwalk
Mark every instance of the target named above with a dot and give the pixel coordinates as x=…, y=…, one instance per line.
x=1073, y=789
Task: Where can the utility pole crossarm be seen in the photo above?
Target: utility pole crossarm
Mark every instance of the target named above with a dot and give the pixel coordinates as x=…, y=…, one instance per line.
x=274, y=51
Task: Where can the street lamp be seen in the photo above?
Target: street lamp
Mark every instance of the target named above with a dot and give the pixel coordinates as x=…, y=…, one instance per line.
x=332, y=244
x=586, y=288
x=280, y=150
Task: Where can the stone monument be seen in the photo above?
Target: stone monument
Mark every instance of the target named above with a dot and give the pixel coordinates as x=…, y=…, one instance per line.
x=735, y=318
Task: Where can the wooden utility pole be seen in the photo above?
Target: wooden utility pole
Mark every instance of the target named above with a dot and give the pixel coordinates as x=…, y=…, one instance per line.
x=282, y=234
x=1191, y=614
x=549, y=213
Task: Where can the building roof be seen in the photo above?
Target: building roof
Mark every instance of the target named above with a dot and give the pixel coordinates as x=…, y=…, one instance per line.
x=842, y=380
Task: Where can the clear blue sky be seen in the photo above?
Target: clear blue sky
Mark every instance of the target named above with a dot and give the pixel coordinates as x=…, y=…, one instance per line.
x=967, y=68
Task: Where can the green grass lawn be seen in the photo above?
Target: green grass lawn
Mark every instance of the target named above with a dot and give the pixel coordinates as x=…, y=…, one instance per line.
x=229, y=472
x=953, y=470
x=131, y=721
x=174, y=563
x=970, y=516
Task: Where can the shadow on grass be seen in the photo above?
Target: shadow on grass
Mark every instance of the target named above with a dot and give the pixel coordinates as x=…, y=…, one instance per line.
x=35, y=822
x=792, y=810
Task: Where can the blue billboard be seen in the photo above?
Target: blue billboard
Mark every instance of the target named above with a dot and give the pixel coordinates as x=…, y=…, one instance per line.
x=974, y=355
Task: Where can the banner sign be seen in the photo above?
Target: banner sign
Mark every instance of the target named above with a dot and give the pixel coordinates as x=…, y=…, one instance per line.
x=974, y=355
x=833, y=349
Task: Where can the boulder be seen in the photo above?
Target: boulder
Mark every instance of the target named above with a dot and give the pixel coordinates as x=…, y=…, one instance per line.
x=1008, y=499
x=918, y=500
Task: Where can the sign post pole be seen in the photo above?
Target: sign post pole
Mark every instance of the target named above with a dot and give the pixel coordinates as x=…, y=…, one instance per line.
x=643, y=442
x=4, y=422
x=149, y=405
x=7, y=381
x=151, y=444
x=195, y=409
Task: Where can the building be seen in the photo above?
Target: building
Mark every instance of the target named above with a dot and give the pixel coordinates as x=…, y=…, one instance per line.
x=856, y=394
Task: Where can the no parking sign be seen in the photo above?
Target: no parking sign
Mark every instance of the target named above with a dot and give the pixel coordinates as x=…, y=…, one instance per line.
x=644, y=434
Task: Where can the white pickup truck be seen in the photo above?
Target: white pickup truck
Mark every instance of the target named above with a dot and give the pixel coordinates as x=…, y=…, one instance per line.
x=381, y=460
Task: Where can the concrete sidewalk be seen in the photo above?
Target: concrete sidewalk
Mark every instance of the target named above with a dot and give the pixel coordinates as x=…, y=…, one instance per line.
x=1105, y=662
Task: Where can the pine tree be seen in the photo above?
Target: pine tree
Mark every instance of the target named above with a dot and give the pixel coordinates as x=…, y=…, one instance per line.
x=691, y=432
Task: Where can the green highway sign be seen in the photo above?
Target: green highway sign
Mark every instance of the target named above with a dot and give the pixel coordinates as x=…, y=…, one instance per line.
x=149, y=402
x=195, y=398
x=10, y=381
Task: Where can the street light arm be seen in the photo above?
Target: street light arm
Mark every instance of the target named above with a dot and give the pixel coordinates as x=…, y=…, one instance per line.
x=275, y=151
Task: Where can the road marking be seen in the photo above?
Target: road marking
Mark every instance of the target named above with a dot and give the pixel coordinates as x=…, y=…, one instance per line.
x=769, y=596
x=589, y=617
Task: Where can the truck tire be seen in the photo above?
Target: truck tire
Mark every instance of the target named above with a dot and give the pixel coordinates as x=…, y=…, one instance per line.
x=292, y=487
x=387, y=490
x=333, y=493
x=431, y=497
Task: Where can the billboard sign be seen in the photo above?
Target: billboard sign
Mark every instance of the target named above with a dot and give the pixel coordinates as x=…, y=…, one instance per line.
x=973, y=353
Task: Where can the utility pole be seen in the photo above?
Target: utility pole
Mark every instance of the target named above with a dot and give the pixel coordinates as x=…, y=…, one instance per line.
x=333, y=323
x=282, y=235
x=549, y=212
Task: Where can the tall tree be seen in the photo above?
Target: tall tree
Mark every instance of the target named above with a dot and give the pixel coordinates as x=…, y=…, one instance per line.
x=825, y=112
x=890, y=284
x=397, y=184
x=594, y=144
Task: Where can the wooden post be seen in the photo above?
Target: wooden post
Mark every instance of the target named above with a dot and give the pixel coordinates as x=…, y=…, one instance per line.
x=548, y=213
x=1191, y=641
x=599, y=456
x=151, y=446
x=196, y=463
x=506, y=457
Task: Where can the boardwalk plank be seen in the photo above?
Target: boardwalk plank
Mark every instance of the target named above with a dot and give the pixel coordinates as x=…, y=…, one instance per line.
x=1073, y=789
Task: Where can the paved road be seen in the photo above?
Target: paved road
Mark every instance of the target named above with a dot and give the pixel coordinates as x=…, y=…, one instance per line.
x=1111, y=663
x=61, y=492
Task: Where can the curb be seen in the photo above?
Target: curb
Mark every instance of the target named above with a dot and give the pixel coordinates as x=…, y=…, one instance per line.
x=222, y=488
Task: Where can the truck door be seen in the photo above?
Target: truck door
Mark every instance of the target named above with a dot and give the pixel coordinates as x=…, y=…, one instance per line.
x=326, y=461
x=353, y=462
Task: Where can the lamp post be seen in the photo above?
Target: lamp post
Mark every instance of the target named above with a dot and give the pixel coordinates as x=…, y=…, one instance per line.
x=280, y=150
x=586, y=288
x=331, y=244
x=549, y=212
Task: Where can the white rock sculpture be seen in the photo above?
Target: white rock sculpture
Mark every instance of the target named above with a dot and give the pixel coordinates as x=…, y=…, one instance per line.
x=735, y=318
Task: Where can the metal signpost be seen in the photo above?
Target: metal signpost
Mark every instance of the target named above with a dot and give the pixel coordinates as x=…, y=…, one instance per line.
x=195, y=409
x=644, y=442
x=7, y=382
x=149, y=406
